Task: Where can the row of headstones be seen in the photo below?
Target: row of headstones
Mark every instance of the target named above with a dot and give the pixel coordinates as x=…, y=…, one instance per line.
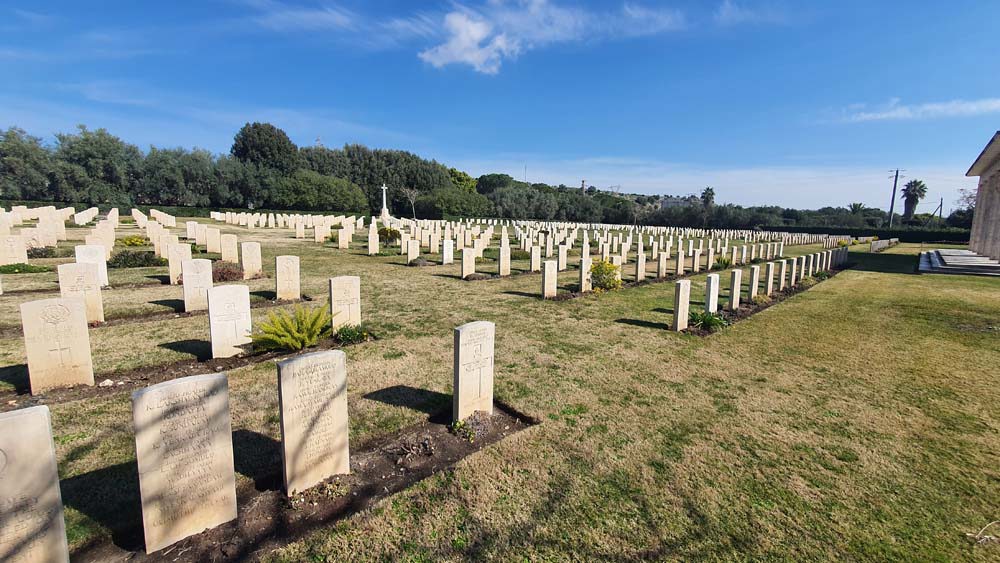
x=184, y=450
x=57, y=341
x=880, y=245
x=285, y=220
x=794, y=269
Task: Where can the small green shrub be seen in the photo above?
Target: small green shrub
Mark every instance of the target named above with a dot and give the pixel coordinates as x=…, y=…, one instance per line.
x=843, y=243
x=302, y=328
x=806, y=283
x=605, y=276
x=707, y=321
x=820, y=276
x=22, y=268
x=722, y=263
x=761, y=299
x=135, y=259
x=464, y=431
x=352, y=334
x=226, y=271
x=42, y=252
x=388, y=235
x=134, y=240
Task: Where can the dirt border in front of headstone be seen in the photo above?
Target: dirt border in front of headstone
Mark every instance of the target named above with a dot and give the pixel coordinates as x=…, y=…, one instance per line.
x=747, y=310
x=13, y=331
x=267, y=519
x=131, y=379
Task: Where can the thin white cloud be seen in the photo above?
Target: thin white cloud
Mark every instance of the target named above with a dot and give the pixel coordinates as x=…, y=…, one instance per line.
x=484, y=37
x=896, y=111
x=306, y=19
x=731, y=13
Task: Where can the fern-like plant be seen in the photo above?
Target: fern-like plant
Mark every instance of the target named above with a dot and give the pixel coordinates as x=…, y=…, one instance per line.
x=302, y=328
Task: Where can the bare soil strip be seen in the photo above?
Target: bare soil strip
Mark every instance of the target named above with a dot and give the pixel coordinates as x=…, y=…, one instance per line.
x=267, y=519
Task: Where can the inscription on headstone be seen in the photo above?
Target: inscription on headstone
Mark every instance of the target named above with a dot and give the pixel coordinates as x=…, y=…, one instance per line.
x=473, y=386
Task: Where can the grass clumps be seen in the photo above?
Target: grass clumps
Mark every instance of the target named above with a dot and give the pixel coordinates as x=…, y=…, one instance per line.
x=706, y=321
x=352, y=334
x=605, y=276
x=806, y=283
x=760, y=299
x=41, y=252
x=22, y=268
x=135, y=259
x=302, y=328
x=722, y=263
x=226, y=272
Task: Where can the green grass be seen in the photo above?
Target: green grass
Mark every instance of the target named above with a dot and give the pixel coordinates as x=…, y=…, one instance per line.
x=854, y=421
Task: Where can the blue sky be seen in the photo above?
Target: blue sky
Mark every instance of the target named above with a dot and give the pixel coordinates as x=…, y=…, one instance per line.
x=794, y=103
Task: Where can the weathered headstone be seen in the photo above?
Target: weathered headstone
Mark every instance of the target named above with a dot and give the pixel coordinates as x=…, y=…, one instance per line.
x=585, y=280
x=781, y=274
x=448, y=252
x=412, y=250
x=769, y=278
x=79, y=281
x=253, y=266
x=287, y=280
x=735, y=287
x=345, y=301
x=230, y=248
x=197, y=277
x=57, y=343
x=13, y=250
x=682, y=304
x=213, y=240
x=473, y=385
x=94, y=254
x=32, y=528
x=176, y=255
x=504, y=262
x=184, y=450
x=468, y=262
x=312, y=398
x=229, y=319
x=550, y=271
x=712, y=293
x=754, y=281
x=535, y=263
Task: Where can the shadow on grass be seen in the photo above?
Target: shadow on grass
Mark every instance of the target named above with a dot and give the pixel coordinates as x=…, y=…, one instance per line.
x=200, y=349
x=644, y=324
x=523, y=294
x=258, y=457
x=663, y=310
x=431, y=403
x=176, y=304
x=450, y=276
x=17, y=377
x=265, y=294
x=165, y=280
x=110, y=497
x=885, y=263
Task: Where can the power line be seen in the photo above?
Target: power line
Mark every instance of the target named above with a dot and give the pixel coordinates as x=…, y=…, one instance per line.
x=894, y=175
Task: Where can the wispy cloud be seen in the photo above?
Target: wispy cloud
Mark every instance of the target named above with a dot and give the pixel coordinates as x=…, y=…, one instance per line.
x=283, y=18
x=485, y=36
x=895, y=111
x=731, y=13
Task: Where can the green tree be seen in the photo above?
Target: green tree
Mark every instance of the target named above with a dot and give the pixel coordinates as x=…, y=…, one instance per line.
x=462, y=180
x=110, y=168
x=25, y=166
x=912, y=193
x=265, y=145
x=708, y=197
x=856, y=208
x=308, y=190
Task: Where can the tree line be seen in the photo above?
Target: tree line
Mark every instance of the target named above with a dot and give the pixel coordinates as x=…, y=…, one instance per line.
x=266, y=170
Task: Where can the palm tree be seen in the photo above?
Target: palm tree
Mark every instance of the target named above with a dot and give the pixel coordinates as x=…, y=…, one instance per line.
x=913, y=192
x=856, y=208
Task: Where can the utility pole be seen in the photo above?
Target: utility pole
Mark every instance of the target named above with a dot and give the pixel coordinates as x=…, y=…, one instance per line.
x=941, y=210
x=892, y=202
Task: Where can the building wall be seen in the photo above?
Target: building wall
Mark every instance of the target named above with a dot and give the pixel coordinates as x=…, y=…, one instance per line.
x=985, y=236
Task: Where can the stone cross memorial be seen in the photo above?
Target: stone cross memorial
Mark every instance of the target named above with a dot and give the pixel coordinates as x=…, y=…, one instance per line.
x=57, y=343
x=229, y=319
x=312, y=397
x=184, y=450
x=32, y=528
x=473, y=386
x=345, y=301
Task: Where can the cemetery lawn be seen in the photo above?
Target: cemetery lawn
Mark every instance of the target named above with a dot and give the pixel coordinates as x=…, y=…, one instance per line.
x=856, y=420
